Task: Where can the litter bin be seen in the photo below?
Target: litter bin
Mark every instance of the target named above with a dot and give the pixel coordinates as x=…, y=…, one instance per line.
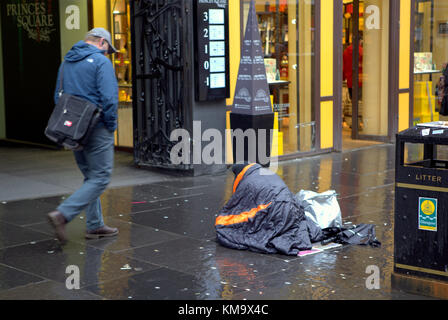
x=421, y=210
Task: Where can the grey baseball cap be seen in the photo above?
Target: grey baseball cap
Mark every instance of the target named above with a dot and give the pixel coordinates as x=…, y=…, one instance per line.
x=103, y=33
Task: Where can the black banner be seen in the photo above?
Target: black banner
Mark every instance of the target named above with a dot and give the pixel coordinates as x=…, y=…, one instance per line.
x=31, y=57
x=252, y=94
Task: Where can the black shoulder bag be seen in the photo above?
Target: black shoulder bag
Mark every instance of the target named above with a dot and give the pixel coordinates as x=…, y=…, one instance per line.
x=72, y=120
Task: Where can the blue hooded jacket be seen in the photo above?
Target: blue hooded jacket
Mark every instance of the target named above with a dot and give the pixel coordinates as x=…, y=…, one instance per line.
x=89, y=74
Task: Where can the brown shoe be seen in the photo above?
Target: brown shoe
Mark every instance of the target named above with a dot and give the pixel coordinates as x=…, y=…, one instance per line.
x=104, y=231
x=58, y=222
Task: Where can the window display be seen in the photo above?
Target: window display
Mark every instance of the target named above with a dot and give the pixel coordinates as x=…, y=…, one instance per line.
x=123, y=69
x=430, y=58
x=287, y=35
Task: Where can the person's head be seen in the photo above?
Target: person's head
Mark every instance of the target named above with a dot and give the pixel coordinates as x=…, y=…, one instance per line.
x=238, y=167
x=100, y=38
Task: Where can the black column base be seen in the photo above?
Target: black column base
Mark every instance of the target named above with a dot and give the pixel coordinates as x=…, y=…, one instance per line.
x=255, y=122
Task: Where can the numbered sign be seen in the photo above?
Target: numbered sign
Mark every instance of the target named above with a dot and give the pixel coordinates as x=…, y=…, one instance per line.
x=211, y=50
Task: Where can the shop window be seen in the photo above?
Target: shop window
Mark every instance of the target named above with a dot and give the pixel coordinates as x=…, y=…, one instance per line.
x=430, y=59
x=287, y=35
x=123, y=70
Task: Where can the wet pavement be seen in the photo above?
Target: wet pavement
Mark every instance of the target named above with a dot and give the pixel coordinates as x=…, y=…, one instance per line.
x=28, y=172
x=166, y=248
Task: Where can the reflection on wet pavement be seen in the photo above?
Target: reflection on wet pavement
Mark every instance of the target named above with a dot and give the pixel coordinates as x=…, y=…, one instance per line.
x=166, y=248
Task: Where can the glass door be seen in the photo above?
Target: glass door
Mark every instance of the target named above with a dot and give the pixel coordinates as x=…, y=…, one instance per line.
x=366, y=41
x=287, y=33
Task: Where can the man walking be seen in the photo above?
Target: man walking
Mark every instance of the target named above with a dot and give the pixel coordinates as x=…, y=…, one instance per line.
x=89, y=74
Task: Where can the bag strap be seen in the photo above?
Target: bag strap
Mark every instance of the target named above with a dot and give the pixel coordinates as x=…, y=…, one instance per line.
x=61, y=83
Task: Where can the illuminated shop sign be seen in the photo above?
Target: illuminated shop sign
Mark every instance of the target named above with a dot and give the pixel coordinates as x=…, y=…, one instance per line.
x=36, y=18
x=211, y=50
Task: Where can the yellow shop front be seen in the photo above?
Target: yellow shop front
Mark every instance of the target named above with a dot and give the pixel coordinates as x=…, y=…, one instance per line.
x=114, y=15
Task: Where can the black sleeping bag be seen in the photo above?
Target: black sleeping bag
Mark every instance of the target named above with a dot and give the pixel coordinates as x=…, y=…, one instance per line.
x=263, y=215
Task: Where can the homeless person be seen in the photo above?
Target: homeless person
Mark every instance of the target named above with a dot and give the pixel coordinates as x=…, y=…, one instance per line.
x=263, y=215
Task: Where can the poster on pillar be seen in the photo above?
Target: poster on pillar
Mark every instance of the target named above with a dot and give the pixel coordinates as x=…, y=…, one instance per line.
x=252, y=95
x=31, y=58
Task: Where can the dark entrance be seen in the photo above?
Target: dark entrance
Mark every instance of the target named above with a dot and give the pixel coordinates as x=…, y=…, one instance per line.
x=31, y=57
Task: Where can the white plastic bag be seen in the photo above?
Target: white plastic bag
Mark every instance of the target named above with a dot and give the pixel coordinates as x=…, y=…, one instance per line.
x=322, y=208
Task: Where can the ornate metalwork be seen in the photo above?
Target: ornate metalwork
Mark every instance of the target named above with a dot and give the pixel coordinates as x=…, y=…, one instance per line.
x=160, y=71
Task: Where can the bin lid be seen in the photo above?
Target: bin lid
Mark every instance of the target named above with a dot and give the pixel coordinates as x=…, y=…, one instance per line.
x=430, y=132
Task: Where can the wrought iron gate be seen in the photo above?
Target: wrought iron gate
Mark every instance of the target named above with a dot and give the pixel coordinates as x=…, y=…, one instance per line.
x=161, y=78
